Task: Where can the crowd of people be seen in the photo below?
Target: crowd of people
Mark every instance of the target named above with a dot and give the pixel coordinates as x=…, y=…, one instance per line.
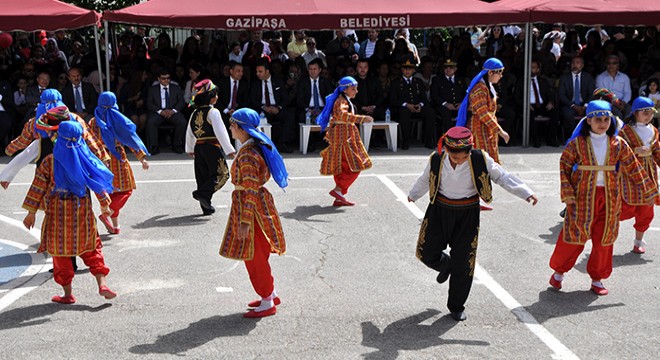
x=154, y=79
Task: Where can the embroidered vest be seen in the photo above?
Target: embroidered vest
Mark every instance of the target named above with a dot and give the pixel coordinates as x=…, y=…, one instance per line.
x=479, y=172
x=201, y=125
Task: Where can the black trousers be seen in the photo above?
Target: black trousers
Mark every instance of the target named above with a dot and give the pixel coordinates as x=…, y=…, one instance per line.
x=427, y=116
x=445, y=122
x=211, y=171
x=154, y=121
x=456, y=226
x=543, y=129
x=284, y=127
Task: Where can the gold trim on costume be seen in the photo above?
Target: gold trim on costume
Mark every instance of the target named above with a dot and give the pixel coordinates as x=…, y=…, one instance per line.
x=486, y=187
x=422, y=238
x=473, y=253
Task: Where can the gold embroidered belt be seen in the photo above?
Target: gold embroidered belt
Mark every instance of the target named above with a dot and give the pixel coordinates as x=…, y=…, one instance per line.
x=596, y=167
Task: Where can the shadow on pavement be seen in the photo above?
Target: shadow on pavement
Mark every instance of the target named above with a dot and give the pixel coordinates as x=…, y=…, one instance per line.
x=39, y=314
x=163, y=221
x=304, y=213
x=198, y=334
x=409, y=334
x=627, y=259
x=551, y=238
x=553, y=304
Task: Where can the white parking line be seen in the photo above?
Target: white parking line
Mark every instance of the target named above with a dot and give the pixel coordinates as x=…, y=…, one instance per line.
x=37, y=271
x=560, y=351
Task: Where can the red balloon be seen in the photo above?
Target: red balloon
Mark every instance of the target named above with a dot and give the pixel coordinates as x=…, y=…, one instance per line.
x=5, y=40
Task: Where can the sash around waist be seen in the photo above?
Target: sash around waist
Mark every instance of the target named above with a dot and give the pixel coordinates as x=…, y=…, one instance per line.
x=596, y=167
x=471, y=201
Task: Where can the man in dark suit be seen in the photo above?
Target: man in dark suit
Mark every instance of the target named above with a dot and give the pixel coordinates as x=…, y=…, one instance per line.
x=33, y=93
x=542, y=103
x=571, y=105
x=368, y=100
x=164, y=104
x=234, y=92
x=7, y=111
x=408, y=97
x=79, y=96
x=312, y=91
x=268, y=95
x=447, y=93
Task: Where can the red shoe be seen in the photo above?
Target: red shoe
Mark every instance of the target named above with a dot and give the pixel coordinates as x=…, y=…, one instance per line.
x=638, y=249
x=106, y=292
x=336, y=196
x=485, y=207
x=106, y=221
x=599, y=290
x=63, y=299
x=342, y=202
x=254, y=314
x=256, y=303
x=554, y=282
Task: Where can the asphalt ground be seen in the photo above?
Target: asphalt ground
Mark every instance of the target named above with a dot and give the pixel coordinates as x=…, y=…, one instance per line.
x=350, y=283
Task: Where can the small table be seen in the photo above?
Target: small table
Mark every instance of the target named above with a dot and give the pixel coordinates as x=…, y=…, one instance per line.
x=305, y=130
x=390, y=133
x=265, y=128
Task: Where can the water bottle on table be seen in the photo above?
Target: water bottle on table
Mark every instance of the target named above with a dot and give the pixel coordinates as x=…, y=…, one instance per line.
x=388, y=116
x=262, y=119
x=308, y=117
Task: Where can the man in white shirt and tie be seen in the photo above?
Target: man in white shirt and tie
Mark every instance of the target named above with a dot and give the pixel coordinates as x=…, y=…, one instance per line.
x=164, y=104
x=575, y=91
x=541, y=105
x=234, y=92
x=79, y=96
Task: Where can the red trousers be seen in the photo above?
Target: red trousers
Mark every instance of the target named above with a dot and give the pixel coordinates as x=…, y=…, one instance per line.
x=258, y=268
x=643, y=215
x=63, y=268
x=118, y=201
x=346, y=177
x=599, y=265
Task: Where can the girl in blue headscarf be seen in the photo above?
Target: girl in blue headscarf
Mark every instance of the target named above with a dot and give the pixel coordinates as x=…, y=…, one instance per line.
x=642, y=137
x=345, y=157
x=116, y=131
x=481, y=101
x=254, y=229
x=61, y=188
x=590, y=170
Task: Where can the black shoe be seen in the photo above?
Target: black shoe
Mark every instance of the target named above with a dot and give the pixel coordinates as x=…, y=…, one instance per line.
x=204, y=203
x=208, y=211
x=177, y=149
x=285, y=149
x=445, y=269
x=405, y=147
x=459, y=316
x=562, y=213
x=154, y=151
x=537, y=144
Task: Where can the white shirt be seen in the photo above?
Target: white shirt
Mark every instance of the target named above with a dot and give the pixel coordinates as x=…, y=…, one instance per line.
x=311, y=93
x=270, y=92
x=231, y=93
x=238, y=58
x=19, y=161
x=456, y=183
x=532, y=97
x=599, y=143
x=78, y=88
x=163, y=102
x=369, y=49
x=645, y=133
x=218, y=128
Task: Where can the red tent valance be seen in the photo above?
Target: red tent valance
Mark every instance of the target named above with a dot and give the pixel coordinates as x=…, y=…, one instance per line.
x=32, y=15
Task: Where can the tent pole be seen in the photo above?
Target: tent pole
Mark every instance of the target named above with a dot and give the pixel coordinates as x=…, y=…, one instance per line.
x=98, y=55
x=107, y=58
x=526, y=83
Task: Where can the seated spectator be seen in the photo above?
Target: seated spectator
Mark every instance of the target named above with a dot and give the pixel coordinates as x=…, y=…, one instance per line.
x=194, y=73
x=447, y=93
x=132, y=96
x=164, y=104
x=402, y=51
x=256, y=38
x=191, y=52
x=614, y=80
x=405, y=34
x=652, y=91
x=298, y=45
x=311, y=92
x=385, y=80
x=234, y=92
x=33, y=93
x=61, y=82
x=541, y=103
x=277, y=50
x=19, y=100
x=575, y=91
x=609, y=49
x=268, y=95
x=494, y=40
x=346, y=53
x=312, y=53
x=79, y=96
x=55, y=57
x=426, y=74
x=236, y=53
x=408, y=97
x=368, y=46
x=370, y=99
x=7, y=111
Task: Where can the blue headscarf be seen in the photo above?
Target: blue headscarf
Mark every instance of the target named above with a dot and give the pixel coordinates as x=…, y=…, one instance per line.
x=490, y=65
x=643, y=103
x=324, y=117
x=595, y=108
x=50, y=98
x=248, y=120
x=76, y=168
x=115, y=126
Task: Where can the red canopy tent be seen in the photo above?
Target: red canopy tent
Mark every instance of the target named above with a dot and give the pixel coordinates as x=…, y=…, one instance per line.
x=589, y=12
x=33, y=15
x=315, y=14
